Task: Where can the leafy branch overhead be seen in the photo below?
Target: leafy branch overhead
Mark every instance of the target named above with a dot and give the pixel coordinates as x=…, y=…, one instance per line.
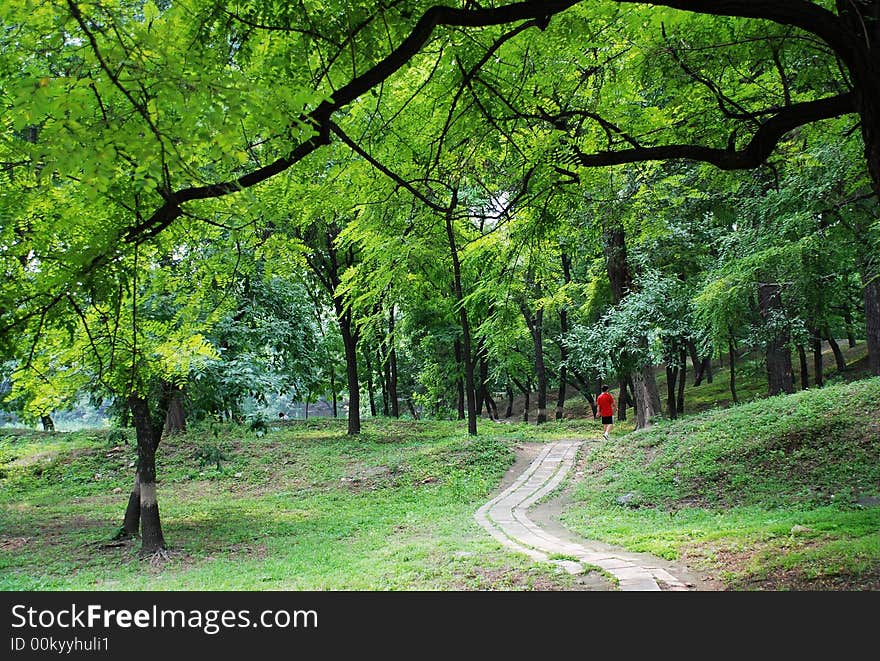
x=151, y=110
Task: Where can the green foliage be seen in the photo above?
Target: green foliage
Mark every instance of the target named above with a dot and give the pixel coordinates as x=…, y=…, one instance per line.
x=651, y=325
x=112, y=109
x=210, y=454
x=117, y=437
x=270, y=345
x=259, y=425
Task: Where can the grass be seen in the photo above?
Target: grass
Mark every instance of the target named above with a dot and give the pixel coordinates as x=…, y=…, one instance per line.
x=778, y=493
x=304, y=507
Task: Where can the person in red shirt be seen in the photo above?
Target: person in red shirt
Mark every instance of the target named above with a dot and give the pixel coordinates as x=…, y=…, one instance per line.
x=605, y=407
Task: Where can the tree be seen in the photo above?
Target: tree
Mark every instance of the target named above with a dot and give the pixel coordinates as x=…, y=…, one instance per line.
x=651, y=108
x=126, y=348
x=134, y=122
x=268, y=343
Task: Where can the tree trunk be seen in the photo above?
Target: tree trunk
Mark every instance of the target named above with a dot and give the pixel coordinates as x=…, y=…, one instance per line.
x=621, y=402
x=526, y=390
x=152, y=539
x=616, y=263
x=702, y=365
x=848, y=321
x=459, y=382
x=563, y=331
x=731, y=354
x=535, y=324
x=671, y=382
x=481, y=380
x=679, y=407
x=645, y=392
x=509, y=411
x=465, y=327
x=647, y=405
x=47, y=422
x=777, y=352
x=802, y=357
x=560, y=398
x=333, y=391
x=698, y=364
x=392, y=372
x=871, y=279
x=835, y=349
x=386, y=379
x=383, y=381
x=328, y=269
x=706, y=368
x=485, y=395
x=631, y=396
x=175, y=419
x=349, y=342
x=868, y=105
x=491, y=407
x=584, y=389
x=131, y=523
x=561, y=395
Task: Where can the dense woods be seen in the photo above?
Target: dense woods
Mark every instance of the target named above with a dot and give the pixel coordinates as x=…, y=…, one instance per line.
x=403, y=208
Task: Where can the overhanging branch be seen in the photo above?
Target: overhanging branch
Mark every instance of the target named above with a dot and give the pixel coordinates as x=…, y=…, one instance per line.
x=320, y=117
x=760, y=147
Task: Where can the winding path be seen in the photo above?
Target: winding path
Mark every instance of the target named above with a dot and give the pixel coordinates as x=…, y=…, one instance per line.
x=505, y=517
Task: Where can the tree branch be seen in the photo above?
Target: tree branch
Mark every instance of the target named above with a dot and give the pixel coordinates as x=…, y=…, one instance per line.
x=760, y=147
x=386, y=171
x=319, y=118
x=802, y=14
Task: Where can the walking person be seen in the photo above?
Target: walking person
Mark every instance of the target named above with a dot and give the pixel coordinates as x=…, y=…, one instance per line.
x=606, y=407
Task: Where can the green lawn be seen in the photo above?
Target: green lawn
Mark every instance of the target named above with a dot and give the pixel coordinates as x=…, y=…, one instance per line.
x=778, y=493
x=303, y=507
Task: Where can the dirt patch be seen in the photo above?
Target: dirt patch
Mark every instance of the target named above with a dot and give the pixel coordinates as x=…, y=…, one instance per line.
x=9, y=544
x=202, y=487
x=258, y=551
x=55, y=530
x=44, y=456
x=485, y=578
x=361, y=478
x=796, y=580
x=692, y=501
x=43, y=460
x=739, y=564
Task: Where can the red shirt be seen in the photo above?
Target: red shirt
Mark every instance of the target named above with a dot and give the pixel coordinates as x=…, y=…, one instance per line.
x=605, y=402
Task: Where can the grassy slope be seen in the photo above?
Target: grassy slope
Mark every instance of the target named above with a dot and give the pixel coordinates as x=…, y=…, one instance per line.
x=774, y=494
x=303, y=507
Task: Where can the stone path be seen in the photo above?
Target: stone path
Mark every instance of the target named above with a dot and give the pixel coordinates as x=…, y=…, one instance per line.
x=505, y=517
